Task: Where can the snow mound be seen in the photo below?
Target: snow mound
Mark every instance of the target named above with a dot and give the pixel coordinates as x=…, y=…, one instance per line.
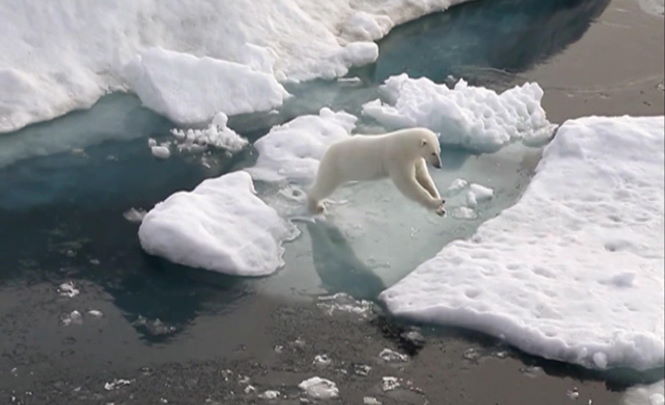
x=191, y=90
x=475, y=118
x=221, y=225
x=291, y=152
x=62, y=56
x=574, y=270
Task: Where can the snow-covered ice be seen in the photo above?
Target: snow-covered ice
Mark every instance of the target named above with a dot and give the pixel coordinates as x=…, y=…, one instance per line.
x=291, y=152
x=191, y=90
x=574, y=270
x=653, y=394
x=476, y=118
x=319, y=388
x=221, y=225
x=62, y=56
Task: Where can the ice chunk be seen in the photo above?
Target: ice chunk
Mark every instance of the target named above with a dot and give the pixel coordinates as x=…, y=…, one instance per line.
x=160, y=151
x=134, y=215
x=653, y=394
x=391, y=356
x=189, y=90
x=319, y=388
x=472, y=117
x=217, y=135
x=389, y=383
x=72, y=318
x=481, y=193
x=95, y=313
x=537, y=275
x=116, y=383
x=68, y=289
x=456, y=186
x=291, y=152
x=221, y=225
x=269, y=394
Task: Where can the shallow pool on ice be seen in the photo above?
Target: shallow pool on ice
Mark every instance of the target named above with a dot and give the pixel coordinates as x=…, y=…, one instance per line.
x=574, y=270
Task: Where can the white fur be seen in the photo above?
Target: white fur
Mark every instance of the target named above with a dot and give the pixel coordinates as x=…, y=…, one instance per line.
x=400, y=155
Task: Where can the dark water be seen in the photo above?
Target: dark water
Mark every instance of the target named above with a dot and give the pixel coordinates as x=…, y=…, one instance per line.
x=61, y=211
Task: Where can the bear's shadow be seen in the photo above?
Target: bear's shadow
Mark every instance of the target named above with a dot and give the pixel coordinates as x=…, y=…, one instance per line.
x=337, y=265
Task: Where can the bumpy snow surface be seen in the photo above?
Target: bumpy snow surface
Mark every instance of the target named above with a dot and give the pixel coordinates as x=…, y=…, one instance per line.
x=292, y=152
x=220, y=56
x=221, y=225
x=476, y=118
x=574, y=270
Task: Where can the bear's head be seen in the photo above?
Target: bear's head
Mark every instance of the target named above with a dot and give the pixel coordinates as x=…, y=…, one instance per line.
x=429, y=147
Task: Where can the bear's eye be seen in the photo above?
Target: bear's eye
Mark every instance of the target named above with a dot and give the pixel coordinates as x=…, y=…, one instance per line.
x=433, y=153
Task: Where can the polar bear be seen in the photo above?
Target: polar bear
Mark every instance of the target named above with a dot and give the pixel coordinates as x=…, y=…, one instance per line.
x=400, y=155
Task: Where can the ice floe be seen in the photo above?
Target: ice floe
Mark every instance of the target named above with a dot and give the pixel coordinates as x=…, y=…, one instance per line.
x=476, y=118
x=221, y=225
x=574, y=270
x=292, y=151
x=176, y=55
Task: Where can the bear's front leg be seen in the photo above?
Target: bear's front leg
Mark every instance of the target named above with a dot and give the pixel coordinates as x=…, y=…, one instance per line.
x=406, y=182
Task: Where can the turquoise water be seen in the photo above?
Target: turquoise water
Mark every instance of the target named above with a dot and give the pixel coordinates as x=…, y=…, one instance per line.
x=65, y=184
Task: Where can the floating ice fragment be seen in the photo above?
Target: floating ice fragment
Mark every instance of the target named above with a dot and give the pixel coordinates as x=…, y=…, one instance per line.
x=319, y=388
x=361, y=369
x=216, y=135
x=269, y=394
x=464, y=213
x=116, y=383
x=322, y=360
x=95, y=313
x=371, y=401
x=68, y=289
x=134, y=214
x=391, y=356
x=389, y=383
x=456, y=186
x=160, y=152
x=72, y=318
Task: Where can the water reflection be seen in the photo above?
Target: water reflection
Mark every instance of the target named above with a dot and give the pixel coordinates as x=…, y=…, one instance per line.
x=481, y=37
x=337, y=265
